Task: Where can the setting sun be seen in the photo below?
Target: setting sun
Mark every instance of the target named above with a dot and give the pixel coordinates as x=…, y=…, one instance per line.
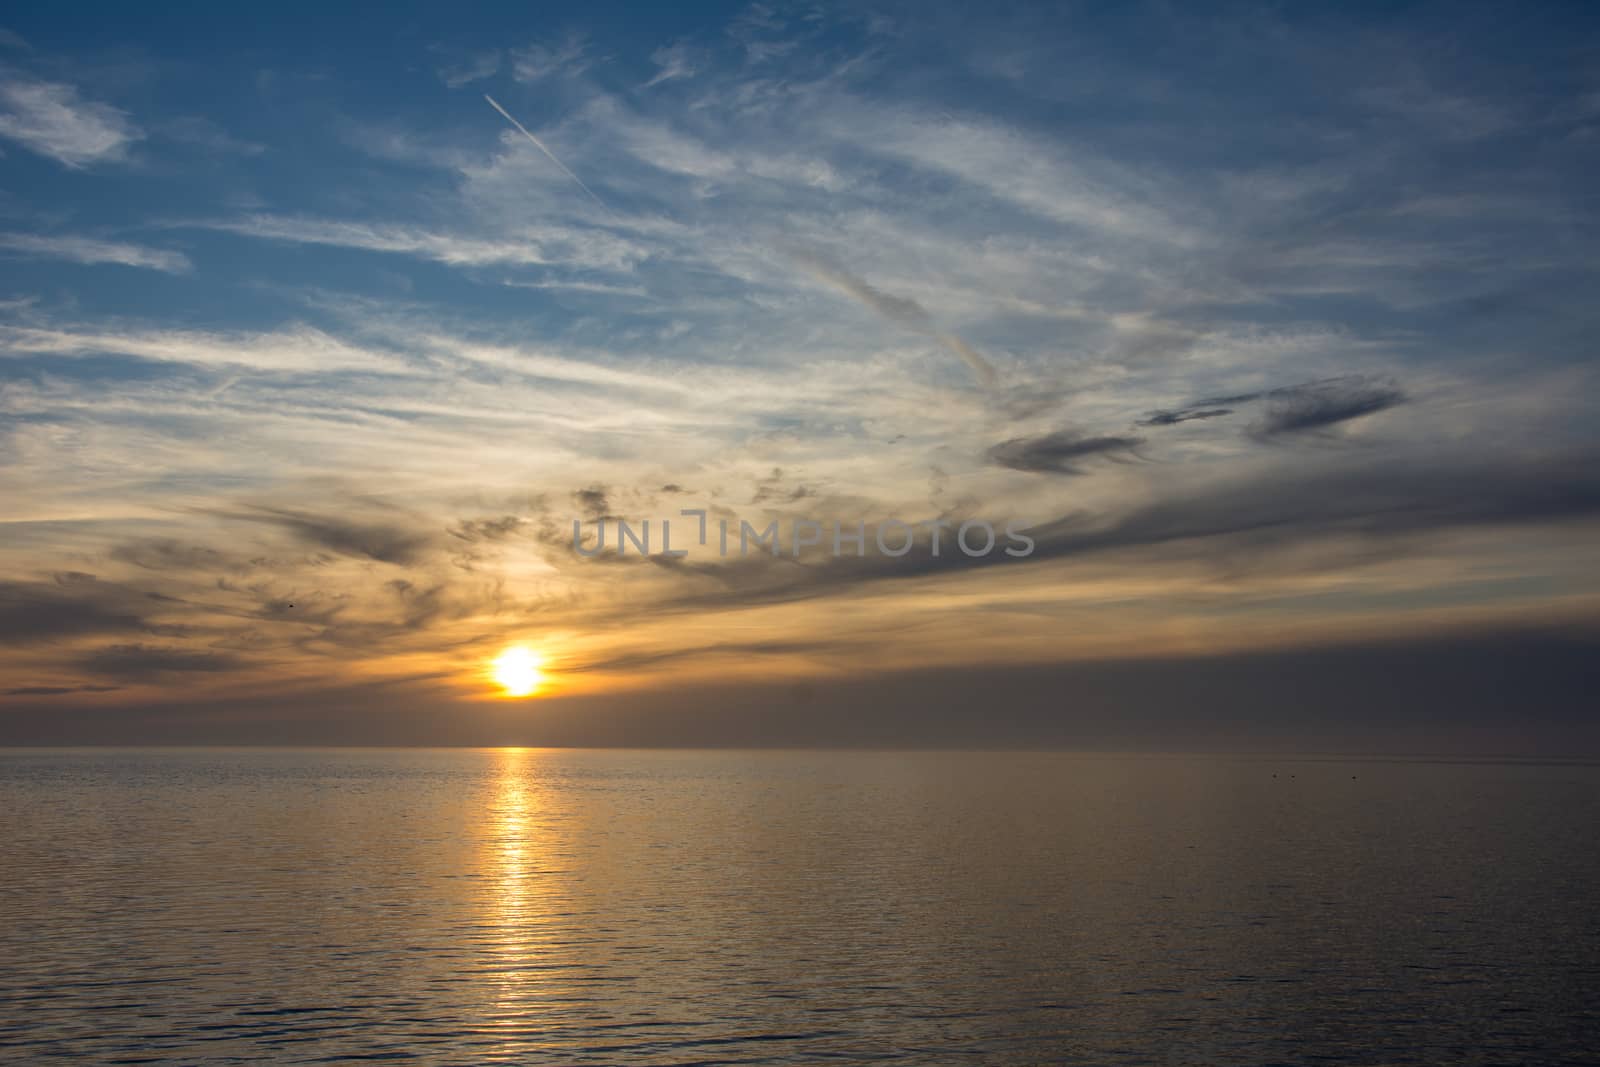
x=517, y=672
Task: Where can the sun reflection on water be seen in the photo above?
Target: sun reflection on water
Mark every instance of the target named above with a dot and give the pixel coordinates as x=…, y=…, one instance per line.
x=516, y=868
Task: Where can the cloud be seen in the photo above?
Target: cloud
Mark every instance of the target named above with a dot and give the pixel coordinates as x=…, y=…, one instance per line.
x=470, y=67
x=295, y=350
x=520, y=246
x=1173, y=418
x=900, y=310
x=487, y=530
x=1042, y=176
x=641, y=659
x=1062, y=452
x=74, y=605
x=1244, y=517
x=595, y=502
x=135, y=663
x=50, y=119
x=673, y=62
x=1368, y=500
x=1320, y=405
x=1295, y=409
x=384, y=542
x=57, y=690
x=772, y=489
x=420, y=607
x=168, y=554
x=537, y=62
x=90, y=251
x=1345, y=698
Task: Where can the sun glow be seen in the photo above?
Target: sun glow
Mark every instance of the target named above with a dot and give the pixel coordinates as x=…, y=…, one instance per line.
x=517, y=672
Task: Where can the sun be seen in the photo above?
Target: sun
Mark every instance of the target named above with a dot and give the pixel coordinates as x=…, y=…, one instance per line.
x=516, y=670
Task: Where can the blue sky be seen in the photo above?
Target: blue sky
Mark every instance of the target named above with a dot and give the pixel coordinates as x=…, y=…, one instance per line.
x=1278, y=319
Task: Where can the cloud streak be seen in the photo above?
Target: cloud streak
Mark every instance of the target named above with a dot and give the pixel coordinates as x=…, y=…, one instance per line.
x=377, y=540
x=50, y=118
x=142, y=663
x=1062, y=452
x=542, y=247
x=1174, y=418
x=1293, y=410
x=89, y=250
x=1322, y=405
x=73, y=605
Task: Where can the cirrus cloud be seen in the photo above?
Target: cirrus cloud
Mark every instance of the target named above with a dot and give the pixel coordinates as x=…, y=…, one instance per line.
x=50, y=118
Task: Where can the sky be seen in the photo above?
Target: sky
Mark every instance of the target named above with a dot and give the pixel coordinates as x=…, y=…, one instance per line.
x=1271, y=326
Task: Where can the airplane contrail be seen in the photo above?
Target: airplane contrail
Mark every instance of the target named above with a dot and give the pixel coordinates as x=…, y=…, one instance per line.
x=540, y=146
x=898, y=309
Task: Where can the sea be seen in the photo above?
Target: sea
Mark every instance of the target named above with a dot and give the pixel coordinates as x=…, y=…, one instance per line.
x=533, y=906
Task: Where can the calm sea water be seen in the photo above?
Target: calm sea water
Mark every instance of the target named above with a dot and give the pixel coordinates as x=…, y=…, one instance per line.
x=483, y=906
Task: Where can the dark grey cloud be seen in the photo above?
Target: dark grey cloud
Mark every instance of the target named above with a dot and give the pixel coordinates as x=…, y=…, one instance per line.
x=308, y=608
x=135, y=662
x=420, y=606
x=734, y=649
x=1304, y=408
x=1062, y=452
x=595, y=502
x=1442, y=695
x=1374, y=499
x=772, y=488
x=1173, y=418
x=1321, y=405
x=482, y=530
x=383, y=540
x=166, y=554
x=1375, y=503
x=72, y=605
x=58, y=690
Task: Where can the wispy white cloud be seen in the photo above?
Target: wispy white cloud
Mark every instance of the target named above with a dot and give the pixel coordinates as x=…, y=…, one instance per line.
x=471, y=67
x=764, y=33
x=50, y=118
x=674, y=62
x=595, y=288
x=90, y=250
x=298, y=349
x=537, y=62
x=535, y=246
x=1030, y=172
